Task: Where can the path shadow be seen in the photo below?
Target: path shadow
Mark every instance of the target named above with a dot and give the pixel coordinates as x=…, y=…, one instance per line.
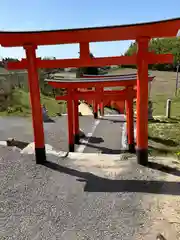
x=92, y=139
x=103, y=149
x=95, y=140
x=15, y=143
x=48, y=120
x=94, y=183
x=164, y=168
x=162, y=151
x=112, y=120
x=170, y=121
x=167, y=142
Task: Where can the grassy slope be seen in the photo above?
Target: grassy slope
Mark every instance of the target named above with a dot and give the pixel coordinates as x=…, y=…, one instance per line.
x=21, y=99
x=164, y=135
x=163, y=87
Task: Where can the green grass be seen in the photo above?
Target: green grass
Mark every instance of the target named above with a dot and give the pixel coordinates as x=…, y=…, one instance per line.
x=21, y=100
x=159, y=105
x=164, y=136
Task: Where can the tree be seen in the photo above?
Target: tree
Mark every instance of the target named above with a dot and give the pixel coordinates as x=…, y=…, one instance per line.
x=4, y=61
x=160, y=46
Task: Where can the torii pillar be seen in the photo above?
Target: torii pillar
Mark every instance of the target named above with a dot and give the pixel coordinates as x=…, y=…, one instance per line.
x=37, y=118
x=142, y=101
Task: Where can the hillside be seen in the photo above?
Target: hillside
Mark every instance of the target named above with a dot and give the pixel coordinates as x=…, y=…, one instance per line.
x=163, y=87
x=20, y=105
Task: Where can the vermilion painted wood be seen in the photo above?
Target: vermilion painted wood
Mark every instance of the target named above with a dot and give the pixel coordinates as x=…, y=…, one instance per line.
x=76, y=121
x=119, y=105
x=97, y=97
x=103, y=93
x=101, y=103
x=102, y=108
x=70, y=113
x=90, y=85
x=166, y=28
x=91, y=62
x=142, y=33
x=130, y=121
x=35, y=98
x=142, y=101
x=84, y=51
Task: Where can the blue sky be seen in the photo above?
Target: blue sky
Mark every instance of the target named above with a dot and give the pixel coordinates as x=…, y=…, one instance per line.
x=58, y=14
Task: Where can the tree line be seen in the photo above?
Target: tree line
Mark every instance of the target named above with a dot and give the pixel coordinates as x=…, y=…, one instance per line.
x=4, y=62
x=160, y=46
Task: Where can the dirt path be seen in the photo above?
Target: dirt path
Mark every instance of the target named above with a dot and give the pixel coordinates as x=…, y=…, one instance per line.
x=85, y=109
x=165, y=212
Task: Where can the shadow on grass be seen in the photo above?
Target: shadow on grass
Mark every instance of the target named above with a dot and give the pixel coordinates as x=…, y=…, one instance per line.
x=169, y=121
x=94, y=183
x=113, y=120
x=159, y=151
x=167, y=142
x=101, y=149
x=164, y=168
x=175, y=119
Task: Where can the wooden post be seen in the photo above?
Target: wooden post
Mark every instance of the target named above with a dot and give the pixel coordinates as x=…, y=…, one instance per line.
x=102, y=103
x=96, y=103
x=130, y=125
x=84, y=50
x=70, y=121
x=168, y=108
x=177, y=78
x=95, y=109
x=102, y=108
x=76, y=121
x=37, y=118
x=142, y=101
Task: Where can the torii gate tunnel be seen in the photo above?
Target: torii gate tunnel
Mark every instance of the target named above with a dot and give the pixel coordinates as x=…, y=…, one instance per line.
x=142, y=33
x=77, y=90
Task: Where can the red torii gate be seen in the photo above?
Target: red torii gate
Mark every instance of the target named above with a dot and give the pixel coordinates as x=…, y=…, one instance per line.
x=142, y=33
x=74, y=94
x=103, y=103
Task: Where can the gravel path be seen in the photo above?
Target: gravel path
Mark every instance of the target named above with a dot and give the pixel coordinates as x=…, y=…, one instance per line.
x=56, y=133
x=60, y=201
x=75, y=199
x=105, y=139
